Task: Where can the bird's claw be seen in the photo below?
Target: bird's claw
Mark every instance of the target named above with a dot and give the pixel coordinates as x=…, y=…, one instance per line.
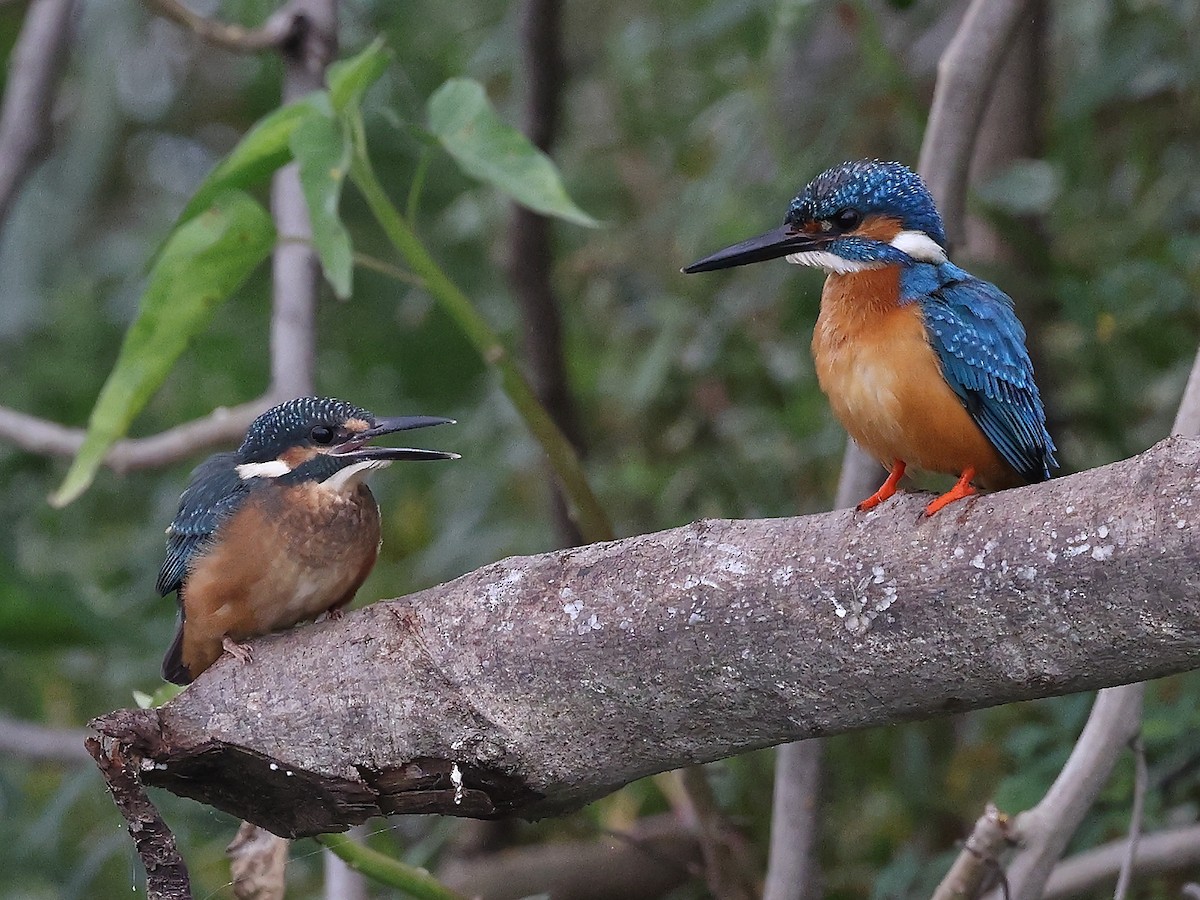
x=241, y=652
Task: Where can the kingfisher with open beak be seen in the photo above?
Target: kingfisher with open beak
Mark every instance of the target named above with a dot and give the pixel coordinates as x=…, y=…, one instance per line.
x=923, y=363
x=278, y=531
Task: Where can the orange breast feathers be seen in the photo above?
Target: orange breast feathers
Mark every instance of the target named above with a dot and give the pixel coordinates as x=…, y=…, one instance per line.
x=883, y=381
x=288, y=555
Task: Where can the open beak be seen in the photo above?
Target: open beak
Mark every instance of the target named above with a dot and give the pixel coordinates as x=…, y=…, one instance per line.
x=356, y=448
x=783, y=241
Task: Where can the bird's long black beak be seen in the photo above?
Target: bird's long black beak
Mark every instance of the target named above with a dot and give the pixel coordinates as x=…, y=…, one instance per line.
x=356, y=448
x=782, y=241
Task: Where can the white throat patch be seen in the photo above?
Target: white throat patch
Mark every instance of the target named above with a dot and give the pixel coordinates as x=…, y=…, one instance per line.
x=831, y=262
x=347, y=479
x=272, y=468
x=919, y=246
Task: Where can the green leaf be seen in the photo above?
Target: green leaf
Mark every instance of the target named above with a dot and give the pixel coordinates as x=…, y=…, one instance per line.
x=263, y=149
x=201, y=264
x=484, y=147
x=349, y=79
x=322, y=150
x=164, y=694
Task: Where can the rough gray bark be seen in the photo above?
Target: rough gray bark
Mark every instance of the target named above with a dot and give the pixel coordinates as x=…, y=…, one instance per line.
x=537, y=684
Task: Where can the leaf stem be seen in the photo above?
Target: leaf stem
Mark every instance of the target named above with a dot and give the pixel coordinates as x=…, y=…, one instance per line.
x=380, y=867
x=590, y=516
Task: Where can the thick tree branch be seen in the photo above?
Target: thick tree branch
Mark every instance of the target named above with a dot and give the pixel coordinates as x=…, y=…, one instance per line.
x=34, y=69
x=541, y=683
x=1159, y=852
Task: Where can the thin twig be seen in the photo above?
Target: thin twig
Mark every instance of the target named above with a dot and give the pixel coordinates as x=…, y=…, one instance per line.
x=277, y=31
x=166, y=872
x=530, y=251
x=1140, y=778
x=223, y=425
x=33, y=71
x=1159, y=852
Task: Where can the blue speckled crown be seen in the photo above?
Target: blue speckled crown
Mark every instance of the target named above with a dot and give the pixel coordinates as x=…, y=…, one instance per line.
x=289, y=422
x=871, y=187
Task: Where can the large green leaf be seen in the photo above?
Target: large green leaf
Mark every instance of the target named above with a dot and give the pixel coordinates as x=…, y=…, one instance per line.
x=263, y=149
x=463, y=120
x=322, y=150
x=349, y=79
x=202, y=263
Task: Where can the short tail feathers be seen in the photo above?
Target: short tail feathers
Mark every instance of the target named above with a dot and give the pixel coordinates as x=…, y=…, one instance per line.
x=173, y=668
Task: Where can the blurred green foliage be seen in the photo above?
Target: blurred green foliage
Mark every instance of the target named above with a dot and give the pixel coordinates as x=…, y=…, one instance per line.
x=688, y=125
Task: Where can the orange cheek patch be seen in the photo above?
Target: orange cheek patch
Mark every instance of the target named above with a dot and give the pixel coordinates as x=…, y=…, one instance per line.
x=357, y=426
x=295, y=457
x=879, y=228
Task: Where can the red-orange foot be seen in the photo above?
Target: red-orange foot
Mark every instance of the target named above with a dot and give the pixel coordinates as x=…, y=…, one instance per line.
x=962, y=488
x=241, y=652
x=886, y=489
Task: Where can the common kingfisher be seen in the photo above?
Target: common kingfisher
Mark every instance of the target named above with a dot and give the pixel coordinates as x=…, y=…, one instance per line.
x=923, y=363
x=278, y=531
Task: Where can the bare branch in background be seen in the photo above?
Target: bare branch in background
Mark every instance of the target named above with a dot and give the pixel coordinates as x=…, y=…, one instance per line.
x=795, y=822
x=33, y=72
x=530, y=251
x=1045, y=830
x=224, y=425
x=278, y=30
x=258, y=864
x=653, y=858
x=296, y=278
x=166, y=872
x=799, y=627
x=41, y=743
x=966, y=74
x=727, y=868
x=1159, y=852
x=979, y=858
x=1140, y=779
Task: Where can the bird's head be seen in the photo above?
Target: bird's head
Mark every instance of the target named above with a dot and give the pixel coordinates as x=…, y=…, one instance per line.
x=325, y=440
x=855, y=216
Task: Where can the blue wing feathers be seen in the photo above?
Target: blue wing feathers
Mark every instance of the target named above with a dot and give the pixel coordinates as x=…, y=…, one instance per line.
x=214, y=493
x=980, y=345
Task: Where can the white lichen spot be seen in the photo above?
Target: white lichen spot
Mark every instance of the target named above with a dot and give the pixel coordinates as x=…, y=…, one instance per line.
x=1077, y=550
x=746, y=653
x=977, y=560
x=1182, y=523
x=456, y=779
x=695, y=617
x=959, y=552
x=1051, y=556
x=274, y=767
x=877, y=571
x=1102, y=532
x=1028, y=573
x=573, y=609
x=289, y=773
x=1100, y=554
x=783, y=576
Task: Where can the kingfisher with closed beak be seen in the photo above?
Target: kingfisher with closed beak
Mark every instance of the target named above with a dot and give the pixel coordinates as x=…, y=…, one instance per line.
x=278, y=531
x=923, y=363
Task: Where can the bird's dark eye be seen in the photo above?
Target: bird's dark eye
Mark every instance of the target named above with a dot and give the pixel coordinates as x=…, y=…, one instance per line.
x=846, y=219
x=321, y=434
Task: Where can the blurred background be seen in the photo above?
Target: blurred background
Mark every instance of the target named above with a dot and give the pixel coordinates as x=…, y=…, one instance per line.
x=687, y=125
